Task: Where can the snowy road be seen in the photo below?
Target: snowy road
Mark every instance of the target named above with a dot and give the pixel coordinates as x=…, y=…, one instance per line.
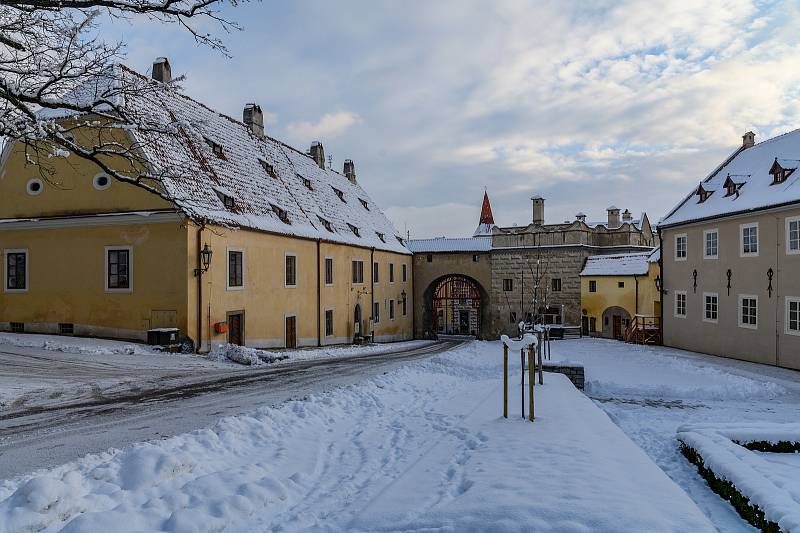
x=119, y=401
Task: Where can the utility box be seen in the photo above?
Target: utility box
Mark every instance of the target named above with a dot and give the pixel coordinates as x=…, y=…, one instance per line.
x=162, y=337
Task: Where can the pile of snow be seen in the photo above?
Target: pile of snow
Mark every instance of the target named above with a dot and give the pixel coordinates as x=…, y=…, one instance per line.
x=771, y=481
x=244, y=355
x=57, y=343
x=422, y=447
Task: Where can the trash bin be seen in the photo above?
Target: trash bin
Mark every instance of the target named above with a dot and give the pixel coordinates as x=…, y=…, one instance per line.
x=162, y=337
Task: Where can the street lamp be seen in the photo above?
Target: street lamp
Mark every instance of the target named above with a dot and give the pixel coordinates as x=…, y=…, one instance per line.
x=205, y=260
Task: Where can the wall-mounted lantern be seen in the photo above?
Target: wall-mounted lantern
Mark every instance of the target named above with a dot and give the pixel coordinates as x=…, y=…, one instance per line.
x=694, y=275
x=658, y=283
x=205, y=260
x=729, y=274
x=770, y=273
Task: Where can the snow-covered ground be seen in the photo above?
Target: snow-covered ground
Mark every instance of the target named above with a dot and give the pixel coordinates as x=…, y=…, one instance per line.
x=420, y=448
x=651, y=391
x=47, y=370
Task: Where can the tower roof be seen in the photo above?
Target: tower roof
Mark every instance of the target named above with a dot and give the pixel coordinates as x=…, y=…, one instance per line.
x=486, y=210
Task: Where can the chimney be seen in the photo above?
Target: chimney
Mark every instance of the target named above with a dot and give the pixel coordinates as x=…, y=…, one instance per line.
x=748, y=140
x=161, y=70
x=350, y=170
x=627, y=217
x=317, y=153
x=580, y=217
x=613, y=217
x=538, y=210
x=254, y=118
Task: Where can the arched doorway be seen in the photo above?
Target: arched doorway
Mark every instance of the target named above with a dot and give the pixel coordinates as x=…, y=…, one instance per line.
x=357, y=321
x=615, y=322
x=456, y=306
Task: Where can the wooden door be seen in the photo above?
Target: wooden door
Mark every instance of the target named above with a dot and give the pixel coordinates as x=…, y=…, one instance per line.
x=291, y=332
x=585, y=325
x=236, y=329
x=617, y=326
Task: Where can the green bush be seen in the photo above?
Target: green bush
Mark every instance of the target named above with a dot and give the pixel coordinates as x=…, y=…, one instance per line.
x=783, y=446
x=730, y=493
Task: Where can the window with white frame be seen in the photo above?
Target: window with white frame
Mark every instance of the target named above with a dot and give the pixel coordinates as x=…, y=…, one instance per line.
x=329, y=271
x=118, y=269
x=358, y=271
x=16, y=262
x=291, y=270
x=235, y=269
x=680, y=304
x=748, y=311
x=711, y=239
x=793, y=235
x=793, y=315
x=681, y=247
x=710, y=306
x=748, y=234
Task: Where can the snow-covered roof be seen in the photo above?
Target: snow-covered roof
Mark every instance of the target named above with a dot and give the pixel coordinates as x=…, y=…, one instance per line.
x=258, y=173
x=655, y=256
x=483, y=229
x=445, y=244
x=631, y=264
x=749, y=169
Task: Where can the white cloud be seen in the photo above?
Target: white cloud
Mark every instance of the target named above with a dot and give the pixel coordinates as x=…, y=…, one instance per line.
x=330, y=125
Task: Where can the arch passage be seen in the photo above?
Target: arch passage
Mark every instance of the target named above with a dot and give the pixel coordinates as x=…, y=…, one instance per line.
x=457, y=307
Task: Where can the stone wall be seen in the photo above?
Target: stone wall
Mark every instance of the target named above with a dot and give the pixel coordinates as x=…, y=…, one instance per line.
x=574, y=372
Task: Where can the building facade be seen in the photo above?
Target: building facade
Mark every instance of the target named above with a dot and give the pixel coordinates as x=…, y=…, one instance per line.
x=253, y=242
x=526, y=273
x=731, y=258
x=620, y=291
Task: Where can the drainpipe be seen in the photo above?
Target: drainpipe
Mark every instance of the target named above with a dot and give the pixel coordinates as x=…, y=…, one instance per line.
x=663, y=280
x=636, y=305
x=372, y=290
x=413, y=299
x=319, y=299
x=199, y=287
x=776, y=291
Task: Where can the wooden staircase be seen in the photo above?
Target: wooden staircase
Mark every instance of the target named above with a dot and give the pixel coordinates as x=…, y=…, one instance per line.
x=644, y=329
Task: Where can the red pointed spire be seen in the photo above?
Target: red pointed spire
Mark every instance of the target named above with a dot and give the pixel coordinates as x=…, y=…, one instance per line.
x=486, y=210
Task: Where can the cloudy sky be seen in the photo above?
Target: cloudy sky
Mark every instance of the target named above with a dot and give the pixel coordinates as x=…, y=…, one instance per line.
x=587, y=103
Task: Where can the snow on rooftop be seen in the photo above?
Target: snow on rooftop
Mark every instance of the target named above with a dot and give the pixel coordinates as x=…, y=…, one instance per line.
x=631, y=264
x=749, y=168
x=258, y=173
x=444, y=244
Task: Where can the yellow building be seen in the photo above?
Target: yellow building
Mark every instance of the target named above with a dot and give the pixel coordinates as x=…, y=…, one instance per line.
x=297, y=254
x=620, y=295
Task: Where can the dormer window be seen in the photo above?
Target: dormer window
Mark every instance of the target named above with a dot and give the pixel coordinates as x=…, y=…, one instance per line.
x=732, y=187
x=364, y=203
x=216, y=148
x=703, y=194
x=281, y=214
x=779, y=172
x=381, y=236
x=400, y=240
x=227, y=200
x=339, y=193
x=269, y=169
x=354, y=230
x=306, y=182
x=326, y=223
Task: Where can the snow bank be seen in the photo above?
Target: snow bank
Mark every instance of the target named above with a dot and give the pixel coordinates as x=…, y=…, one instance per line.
x=762, y=481
x=56, y=343
x=422, y=447
x=256, y=356
x=244, y=355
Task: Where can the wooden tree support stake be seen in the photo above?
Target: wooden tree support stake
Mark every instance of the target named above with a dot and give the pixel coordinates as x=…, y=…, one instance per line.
x=530, y=380
x=505, y=381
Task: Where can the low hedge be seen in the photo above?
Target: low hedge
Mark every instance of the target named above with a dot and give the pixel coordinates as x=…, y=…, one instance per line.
x=730, y=493
x=783, y=446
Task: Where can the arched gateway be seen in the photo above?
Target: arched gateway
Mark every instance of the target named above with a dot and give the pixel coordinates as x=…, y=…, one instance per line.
x=456, y=306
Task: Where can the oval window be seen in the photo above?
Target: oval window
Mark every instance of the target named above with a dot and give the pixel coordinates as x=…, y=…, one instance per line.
x=101, y=182
x=35, y=186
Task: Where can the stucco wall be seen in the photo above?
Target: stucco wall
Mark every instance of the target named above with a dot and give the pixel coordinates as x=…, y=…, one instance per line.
x=66, y=279
x=768, y=343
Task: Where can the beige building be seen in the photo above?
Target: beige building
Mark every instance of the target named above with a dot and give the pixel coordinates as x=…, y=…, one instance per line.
x=620, y=297
x=509, y=274
x=297, y=254
x=731, y=258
